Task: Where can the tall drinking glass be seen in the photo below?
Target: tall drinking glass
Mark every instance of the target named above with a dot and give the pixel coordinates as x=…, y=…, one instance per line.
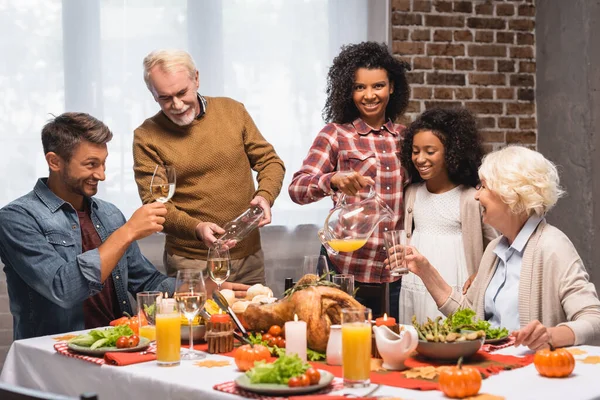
x=219, y=264
x=147, y=310
x=345, y=281
x=356, y=347
x=395, y=245
x=190, y=294
x=168, y=333
x=315, y=265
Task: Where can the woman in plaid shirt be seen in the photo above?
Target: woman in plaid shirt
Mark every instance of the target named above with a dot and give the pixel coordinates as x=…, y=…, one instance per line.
x=360, y=146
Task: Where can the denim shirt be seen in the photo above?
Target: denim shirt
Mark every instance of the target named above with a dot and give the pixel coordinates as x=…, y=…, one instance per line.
x=48, y=277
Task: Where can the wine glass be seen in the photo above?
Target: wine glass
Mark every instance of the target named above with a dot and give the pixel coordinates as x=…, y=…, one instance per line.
x=162, y=185
x=219, y=264
x=190, y=294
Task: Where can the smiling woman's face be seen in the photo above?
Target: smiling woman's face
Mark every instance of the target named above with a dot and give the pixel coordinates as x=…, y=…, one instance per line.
x=495, y=211
x=371, y=94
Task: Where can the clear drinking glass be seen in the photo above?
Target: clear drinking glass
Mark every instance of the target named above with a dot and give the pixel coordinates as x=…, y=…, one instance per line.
x=218, y=264
x=356, y=347
x=162, y=185
x=147, y=309
x=315, y=265
x=190, y=294
x=345, y=281
x=395, y=245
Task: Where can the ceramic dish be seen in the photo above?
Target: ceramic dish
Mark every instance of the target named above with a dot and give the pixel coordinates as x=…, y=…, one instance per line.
x=449, y=351
x=497, y=340
x=101, y=350
x=271, y=388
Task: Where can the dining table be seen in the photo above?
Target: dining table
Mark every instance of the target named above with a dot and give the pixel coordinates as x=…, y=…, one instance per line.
x=34, y=363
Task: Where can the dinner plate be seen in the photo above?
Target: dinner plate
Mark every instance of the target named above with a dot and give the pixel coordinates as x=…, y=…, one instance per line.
x=272, y=388
x=101, y=350
x=497, y=340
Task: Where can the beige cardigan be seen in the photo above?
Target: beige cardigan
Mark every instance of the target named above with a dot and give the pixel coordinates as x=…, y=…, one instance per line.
x=554, y=287
x=476, y=235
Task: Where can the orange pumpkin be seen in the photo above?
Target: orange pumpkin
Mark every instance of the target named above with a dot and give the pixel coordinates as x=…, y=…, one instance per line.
x=246, y=355
x=458, y=382
x=554, y=363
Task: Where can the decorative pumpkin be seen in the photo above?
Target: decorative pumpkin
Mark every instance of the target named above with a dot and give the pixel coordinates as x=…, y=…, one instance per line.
x=458, y=382
x=554, y=363
x=246, y=355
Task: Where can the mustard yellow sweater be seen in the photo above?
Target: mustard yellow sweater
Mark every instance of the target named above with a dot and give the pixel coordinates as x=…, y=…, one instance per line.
x=213, y=159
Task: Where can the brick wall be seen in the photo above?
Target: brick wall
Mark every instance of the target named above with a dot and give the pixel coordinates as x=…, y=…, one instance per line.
x=479, y=54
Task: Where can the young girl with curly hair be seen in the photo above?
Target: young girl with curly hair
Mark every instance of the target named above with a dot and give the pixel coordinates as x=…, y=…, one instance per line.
x=442, y=152
x=359, y=147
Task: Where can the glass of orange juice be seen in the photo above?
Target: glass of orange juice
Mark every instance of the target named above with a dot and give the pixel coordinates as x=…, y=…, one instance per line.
x=168, y=333
x=146, y=306
x=356, y=347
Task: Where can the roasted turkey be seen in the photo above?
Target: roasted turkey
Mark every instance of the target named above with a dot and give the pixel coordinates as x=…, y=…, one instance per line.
x=319, y=306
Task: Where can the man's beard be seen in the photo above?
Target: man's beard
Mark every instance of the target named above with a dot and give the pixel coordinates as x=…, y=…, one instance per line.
x=183, y=119
x=76, y=186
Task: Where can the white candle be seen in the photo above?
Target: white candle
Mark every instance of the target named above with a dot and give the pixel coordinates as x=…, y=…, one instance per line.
x=167, y=306
x=295, y=338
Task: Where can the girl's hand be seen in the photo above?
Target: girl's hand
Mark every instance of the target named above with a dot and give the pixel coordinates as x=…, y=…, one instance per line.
x=350, y=183
x=534, y=335
x=416, y=262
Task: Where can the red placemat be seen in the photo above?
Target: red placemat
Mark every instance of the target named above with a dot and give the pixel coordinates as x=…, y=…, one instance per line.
x=231, y=388
x=110, y=358
x=487, y=364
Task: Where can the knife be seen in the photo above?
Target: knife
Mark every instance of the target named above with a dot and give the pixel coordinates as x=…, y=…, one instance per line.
x=224, y=305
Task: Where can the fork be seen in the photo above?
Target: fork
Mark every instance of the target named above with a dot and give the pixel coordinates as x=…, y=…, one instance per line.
x=368, y=394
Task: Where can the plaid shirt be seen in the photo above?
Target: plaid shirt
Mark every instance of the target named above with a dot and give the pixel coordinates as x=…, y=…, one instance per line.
x=375, y=153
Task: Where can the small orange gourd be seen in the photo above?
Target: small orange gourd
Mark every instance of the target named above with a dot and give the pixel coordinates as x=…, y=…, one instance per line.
x=554, y=363
x=246, y=355
x=460, y=382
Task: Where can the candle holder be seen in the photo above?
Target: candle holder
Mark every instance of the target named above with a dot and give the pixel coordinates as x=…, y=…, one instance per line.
x=219, y=336
x=374, y=352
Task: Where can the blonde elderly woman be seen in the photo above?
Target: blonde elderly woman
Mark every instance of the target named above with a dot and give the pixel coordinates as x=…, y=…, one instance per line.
x=531, y=279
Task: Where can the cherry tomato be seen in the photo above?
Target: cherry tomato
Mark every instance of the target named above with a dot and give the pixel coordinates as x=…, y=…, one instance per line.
x=314, y=376
x=266, y=337
x=133, y=341
x=273, y=341
x=304, y=381
x=294, y=382
x=122, y=342
x=280, y=342
x=275, y=330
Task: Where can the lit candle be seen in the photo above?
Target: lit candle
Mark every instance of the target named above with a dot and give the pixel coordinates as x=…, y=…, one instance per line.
x=167, y=306
x=295, y=338
x=220, y=318
x=385, y=321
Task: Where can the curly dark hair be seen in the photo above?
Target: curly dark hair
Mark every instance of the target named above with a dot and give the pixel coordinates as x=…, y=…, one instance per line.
x=457, y=130
x=339, y=107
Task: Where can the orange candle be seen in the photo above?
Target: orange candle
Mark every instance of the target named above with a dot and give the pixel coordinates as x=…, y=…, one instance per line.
x=220, y=318
x=385, y=321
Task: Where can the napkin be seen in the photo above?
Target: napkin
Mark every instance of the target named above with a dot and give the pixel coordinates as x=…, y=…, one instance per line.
x=122, y=359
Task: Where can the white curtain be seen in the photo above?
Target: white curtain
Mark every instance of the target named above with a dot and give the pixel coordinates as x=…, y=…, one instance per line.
x=86, y=55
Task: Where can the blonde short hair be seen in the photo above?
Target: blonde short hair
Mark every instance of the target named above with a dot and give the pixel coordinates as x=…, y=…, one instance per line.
x=524, y=179
x=168, y=61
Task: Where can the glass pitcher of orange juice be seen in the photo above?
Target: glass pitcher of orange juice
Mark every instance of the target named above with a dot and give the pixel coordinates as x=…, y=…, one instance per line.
x=349, y=225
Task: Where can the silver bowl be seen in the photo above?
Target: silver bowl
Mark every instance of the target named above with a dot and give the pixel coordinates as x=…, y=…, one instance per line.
x=449, y=351
x=198, y=332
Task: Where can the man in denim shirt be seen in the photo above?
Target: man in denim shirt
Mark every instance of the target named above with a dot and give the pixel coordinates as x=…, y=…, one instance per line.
x=70, y=259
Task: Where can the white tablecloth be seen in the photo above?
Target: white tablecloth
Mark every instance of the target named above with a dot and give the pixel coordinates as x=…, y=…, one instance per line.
x=33, y=363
